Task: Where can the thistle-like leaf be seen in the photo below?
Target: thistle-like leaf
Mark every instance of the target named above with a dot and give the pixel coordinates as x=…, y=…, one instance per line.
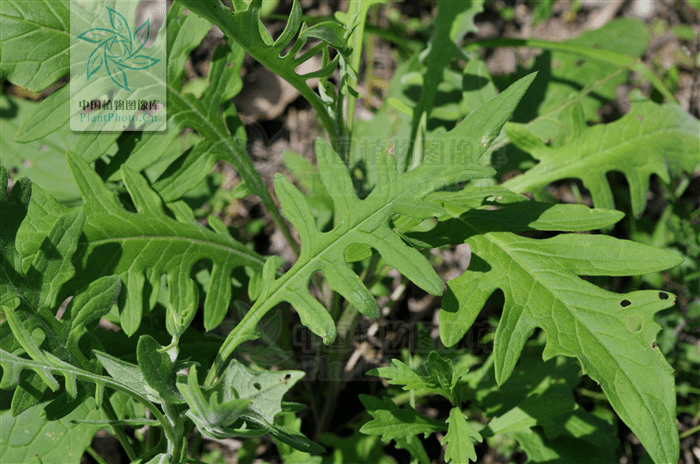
x=158, y=369
x=243, y=25
x=460, y=439
x=536, y=406
x=51, y=367
x=611, y=334
x=366, y=221
x=38, y=26
x=221, y=132
x=143, y=246
x=437, y=375
x=649, y=139
x=213, y=415
x=395, y=423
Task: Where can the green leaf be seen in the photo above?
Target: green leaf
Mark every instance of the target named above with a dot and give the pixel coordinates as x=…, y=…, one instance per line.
x=611, y=334
x=542, y=11
x=157, y=369
x=320, y=203
x=536, y=406
x=41, y=27
x=436, y=376
x=414, y=446
x=452, y=22
x=263, y=389
x=294, y=439
x=395, y=423
x=497, y=209
x=650, y=139
x=42, y=160
x=582, y=66
x=244, y=26
x=49, y=124
x=367, y=221
x=460, y=439
x=140, y=150
x=391, y=125
x=356, y=448
x=125, y=380
x=330, y=32
x=141, y=247
x=242, y=394
x=29, y=289
x=290, y=454
x=29, y=437
x=211, y=413
x=126, y=373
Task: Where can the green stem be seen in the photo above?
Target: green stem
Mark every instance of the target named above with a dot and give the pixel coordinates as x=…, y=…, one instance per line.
x=361, y=8
x=688, y=433
x=241, y=333
x=593, y=394
x=119, y=431
x=607, y=56
x=95, y=456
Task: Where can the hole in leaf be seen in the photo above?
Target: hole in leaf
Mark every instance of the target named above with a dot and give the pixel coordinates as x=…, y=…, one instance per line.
x=663, y=296
x=257, y=386
x=634, y=324
x=654, y=345
x=625, y=303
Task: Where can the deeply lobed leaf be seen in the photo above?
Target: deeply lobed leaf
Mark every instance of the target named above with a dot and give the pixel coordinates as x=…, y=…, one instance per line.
x=460, y=438
x=367, y=221
x=143, y=246
x=649, y=139
x=611, y=334
x=394, y=423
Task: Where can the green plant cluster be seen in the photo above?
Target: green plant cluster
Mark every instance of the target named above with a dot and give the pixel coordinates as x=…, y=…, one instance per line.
x=108, y=223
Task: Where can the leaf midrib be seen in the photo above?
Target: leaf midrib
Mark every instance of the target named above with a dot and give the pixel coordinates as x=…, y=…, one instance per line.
x=170, y=239
x=503, y=247
x=255, y=314
x=540, y=174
